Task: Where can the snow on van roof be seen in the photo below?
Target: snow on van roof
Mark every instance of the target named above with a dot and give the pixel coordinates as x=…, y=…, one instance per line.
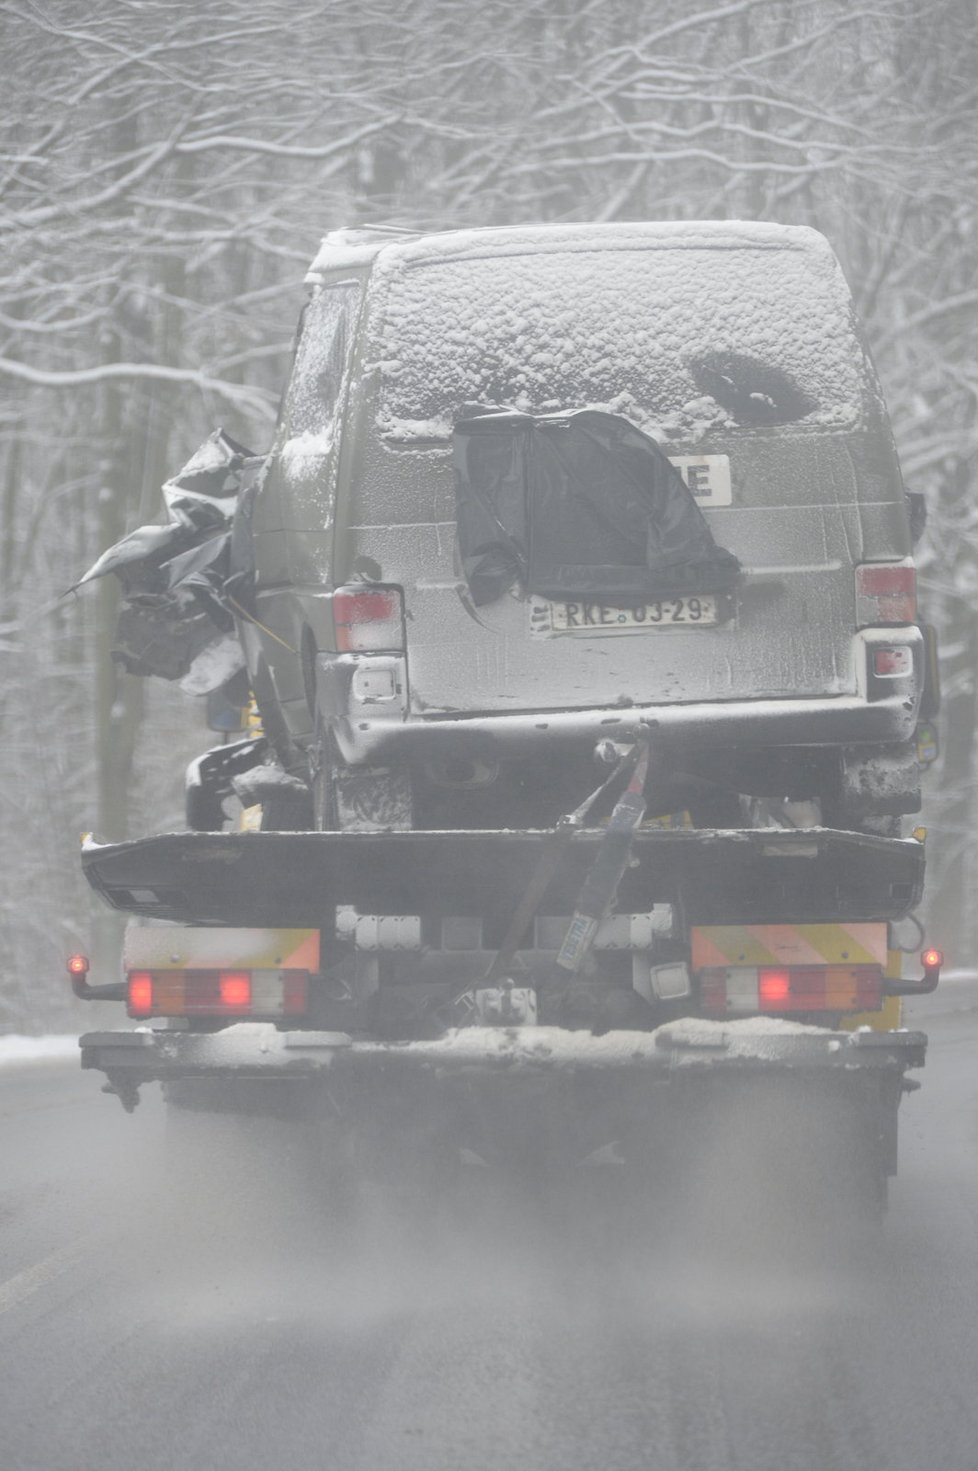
x=359, y=245
x=682, y=327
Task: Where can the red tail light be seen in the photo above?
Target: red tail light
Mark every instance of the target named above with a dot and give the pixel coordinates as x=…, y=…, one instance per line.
x=229, y=993
x=368, y=620
x=139, y=997
x=892, y=663
x=932, y=959
x=886, y=592
x=78, y=965
x=773, y=988
x=235, y=990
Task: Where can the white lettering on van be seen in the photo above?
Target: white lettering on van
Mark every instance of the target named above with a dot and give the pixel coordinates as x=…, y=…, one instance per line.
x=707, y=476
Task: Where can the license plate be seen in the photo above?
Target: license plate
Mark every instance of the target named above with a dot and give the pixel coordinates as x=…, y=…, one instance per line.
x=580, y=616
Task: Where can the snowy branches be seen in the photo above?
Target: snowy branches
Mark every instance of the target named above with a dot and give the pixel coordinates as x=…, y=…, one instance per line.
x=166, y=170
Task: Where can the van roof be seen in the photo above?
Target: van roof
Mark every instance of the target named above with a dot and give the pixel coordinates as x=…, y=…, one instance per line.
x=360, y=245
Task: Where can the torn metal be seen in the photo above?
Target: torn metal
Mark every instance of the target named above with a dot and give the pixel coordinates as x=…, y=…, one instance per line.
x=175, y=619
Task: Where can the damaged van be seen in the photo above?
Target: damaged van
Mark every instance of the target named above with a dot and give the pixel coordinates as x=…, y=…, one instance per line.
x=534, y=490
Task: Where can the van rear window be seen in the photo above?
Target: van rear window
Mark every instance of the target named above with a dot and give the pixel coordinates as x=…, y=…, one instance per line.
x=678, y=340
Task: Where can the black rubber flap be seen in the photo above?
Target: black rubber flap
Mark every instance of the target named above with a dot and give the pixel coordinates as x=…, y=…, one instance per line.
x=578, y=505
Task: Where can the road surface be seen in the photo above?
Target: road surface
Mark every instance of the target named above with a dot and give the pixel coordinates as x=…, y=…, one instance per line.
x=523, y=1332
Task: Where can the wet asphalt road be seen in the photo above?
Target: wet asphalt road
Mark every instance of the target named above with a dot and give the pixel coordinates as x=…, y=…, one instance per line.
x=522, y=1331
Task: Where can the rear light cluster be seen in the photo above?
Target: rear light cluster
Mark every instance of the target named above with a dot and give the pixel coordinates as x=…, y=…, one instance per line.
x=368, y=619
x=747, y=990
x=262, y=994
x=886, y=592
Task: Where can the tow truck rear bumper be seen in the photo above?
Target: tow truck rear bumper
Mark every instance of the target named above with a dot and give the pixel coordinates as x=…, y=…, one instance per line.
x=259, y=1050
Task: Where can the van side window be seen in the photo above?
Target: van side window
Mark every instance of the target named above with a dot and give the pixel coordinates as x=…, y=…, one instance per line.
x=320, y=360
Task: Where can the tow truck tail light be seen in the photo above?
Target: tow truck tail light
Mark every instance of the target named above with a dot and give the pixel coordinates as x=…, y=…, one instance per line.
x=139, y=993
x=234, y=987
x=748, y=990
x=368, y=619
x=773, y=988
x=261, y=994
x=886, y=592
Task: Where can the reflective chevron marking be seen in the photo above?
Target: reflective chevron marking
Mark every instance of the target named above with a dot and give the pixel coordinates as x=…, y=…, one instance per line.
x=789, y=944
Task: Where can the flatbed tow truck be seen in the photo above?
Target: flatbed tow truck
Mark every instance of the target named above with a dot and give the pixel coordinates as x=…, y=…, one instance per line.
x=596, y=986
x=719, y=613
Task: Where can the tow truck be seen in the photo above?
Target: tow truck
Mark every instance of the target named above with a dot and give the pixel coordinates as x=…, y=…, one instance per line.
x=670, y=544
x=594, y=986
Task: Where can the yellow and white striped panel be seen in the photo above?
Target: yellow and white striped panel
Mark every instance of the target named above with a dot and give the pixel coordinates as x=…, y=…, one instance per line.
x=789, y=944
x=207, y=947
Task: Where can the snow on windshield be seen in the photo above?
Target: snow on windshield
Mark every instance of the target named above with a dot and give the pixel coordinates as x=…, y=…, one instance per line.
x=678, y=340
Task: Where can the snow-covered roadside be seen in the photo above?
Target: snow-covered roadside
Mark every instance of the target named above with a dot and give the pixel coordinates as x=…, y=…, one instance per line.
x=15, y=1048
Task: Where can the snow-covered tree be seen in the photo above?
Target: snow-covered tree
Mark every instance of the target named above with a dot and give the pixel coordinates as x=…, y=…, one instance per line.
x=166, y=171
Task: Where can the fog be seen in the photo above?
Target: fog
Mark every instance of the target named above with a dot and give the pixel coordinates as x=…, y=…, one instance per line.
x=218, y=1301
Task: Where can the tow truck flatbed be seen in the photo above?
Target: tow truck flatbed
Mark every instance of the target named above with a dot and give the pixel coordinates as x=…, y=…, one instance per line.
x=721, y=875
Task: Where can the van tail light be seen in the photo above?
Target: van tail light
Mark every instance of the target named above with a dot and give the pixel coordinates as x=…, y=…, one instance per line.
x=260, y=994
x=886, y=592
x=892, y=663
x=368, y=619
x=780, y=990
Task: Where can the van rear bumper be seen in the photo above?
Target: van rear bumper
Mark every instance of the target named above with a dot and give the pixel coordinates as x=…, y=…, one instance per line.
x=883, y=710
x=751, y=724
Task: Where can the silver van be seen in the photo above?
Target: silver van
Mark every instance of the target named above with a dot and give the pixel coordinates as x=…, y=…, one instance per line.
x=535, y=488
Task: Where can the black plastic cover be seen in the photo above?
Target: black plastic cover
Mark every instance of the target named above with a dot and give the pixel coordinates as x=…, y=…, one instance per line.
x=177, y=577
x=578, y=505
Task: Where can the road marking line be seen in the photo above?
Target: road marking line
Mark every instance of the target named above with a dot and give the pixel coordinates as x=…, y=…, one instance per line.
x=17, y=1288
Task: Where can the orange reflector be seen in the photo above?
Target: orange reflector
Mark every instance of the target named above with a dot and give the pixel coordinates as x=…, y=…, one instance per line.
x=78, y=965
x=235, y=990
x=139, y=997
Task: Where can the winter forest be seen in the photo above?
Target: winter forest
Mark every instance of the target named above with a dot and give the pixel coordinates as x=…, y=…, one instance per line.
x=167, y=170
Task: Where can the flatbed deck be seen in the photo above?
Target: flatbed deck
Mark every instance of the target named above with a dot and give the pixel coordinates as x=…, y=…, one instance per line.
x=720, y=876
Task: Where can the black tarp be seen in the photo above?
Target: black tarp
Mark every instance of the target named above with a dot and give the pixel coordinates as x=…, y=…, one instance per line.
x=578, y=505
x=175, y=619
